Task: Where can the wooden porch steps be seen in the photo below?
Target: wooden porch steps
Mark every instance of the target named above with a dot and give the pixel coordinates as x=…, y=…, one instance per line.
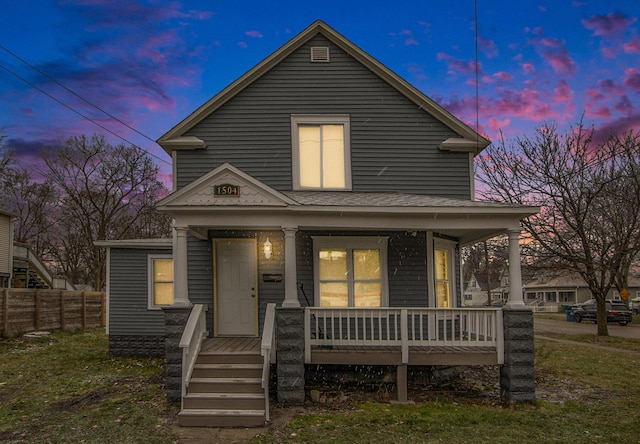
x=225, y=389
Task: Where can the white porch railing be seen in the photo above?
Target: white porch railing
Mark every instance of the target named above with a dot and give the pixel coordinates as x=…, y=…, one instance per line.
x=404, y=328
x=266, y=350
x=191, y=341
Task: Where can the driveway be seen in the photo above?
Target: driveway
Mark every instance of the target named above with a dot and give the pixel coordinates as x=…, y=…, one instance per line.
x=542, y=326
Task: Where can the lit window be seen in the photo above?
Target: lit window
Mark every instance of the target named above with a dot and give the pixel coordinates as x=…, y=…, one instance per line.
x=444, y=253
x=160, y=281
x=321, y=152
x=350, y=273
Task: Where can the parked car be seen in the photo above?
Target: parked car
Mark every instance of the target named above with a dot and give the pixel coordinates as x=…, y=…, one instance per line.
x=616, y=312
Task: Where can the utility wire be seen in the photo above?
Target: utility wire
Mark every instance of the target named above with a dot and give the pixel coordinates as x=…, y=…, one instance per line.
x=74, y=93
x=84, y=116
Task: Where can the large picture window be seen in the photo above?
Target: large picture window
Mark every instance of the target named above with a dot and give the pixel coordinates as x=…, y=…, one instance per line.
x=321, y=152
x=160, y=281
x=350, y=272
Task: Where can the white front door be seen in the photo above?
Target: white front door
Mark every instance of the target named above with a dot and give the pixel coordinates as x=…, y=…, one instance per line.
x=235, y=287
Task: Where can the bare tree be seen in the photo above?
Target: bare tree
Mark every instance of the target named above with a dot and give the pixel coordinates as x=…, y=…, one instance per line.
x=588, y=190
x=109, y=192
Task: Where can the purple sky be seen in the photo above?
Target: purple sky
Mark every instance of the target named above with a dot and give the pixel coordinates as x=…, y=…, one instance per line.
x=148, y=64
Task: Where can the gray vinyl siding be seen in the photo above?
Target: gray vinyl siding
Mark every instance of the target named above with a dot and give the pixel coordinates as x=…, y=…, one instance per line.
x=394, y=144
x=128, y=294
x=200, y=272
x=406, y=266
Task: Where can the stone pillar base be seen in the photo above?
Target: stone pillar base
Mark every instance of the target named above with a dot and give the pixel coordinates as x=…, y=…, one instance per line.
x=290, y=354
x=517, y=374
x=175, y=320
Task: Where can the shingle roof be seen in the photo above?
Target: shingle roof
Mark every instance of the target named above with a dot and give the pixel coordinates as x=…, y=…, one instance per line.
x=354, y=199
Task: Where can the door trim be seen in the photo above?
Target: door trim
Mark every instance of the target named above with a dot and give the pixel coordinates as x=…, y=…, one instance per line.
x=254, y=242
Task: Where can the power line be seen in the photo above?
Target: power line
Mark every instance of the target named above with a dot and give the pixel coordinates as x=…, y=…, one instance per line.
x=74, y=93
x=84, y=116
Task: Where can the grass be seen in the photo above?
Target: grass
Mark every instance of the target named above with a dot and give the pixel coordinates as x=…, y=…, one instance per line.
x=598, y=400
x=67, y=389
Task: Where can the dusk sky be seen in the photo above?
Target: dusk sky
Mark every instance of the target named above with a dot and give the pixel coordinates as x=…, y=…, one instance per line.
x=137, y=68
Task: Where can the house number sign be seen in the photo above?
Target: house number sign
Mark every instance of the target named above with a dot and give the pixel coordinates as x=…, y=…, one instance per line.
x=226, y=190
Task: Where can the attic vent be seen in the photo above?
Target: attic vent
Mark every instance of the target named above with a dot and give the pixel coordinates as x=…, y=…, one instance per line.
x=320, y=54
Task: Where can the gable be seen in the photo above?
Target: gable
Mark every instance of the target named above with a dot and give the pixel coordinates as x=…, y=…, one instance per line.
x=225, y=186
x=467, y=139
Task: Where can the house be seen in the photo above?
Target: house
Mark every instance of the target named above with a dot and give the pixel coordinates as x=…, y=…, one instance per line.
x=550, y=291
x=476, y=290
x=319, y=209
x=6, y=248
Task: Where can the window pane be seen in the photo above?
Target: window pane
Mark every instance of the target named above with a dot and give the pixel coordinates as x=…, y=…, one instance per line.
x=333, y=265
x=367, y=294
x=163, y=270
x=442, y=264
x=163, y=293
x=310, y=156
x=443, y=294
x=366, y=264
x=334, y=294
x=333, y=156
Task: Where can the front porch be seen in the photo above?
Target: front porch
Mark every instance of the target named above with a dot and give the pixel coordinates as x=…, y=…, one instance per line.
x=295, y=337
x=403, y=336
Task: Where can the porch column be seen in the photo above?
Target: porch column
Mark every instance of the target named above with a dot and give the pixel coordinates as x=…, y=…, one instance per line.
x=290, y=274
x=515, y=274
x=180, y=271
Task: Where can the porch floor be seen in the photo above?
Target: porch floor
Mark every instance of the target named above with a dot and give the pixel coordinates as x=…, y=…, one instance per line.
x=228, y=345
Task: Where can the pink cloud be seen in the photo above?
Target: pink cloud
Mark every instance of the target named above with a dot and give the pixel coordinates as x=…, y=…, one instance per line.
x=503, y=76
x=254, y=34
x=459, y=66
x=556, y=54
x=488, y=47
x=528, y=68
x=563, y=92
x=496, y=125
x=625, y=107
x=242, y=45
x=632, y=46
x=632, y=79
x=594, y=94
x=610, y=87
x=608, y=25
x=601, y=112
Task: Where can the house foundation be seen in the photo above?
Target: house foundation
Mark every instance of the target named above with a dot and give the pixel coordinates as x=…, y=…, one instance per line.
x=290, y=354
x=517, y=374
x=175, y=320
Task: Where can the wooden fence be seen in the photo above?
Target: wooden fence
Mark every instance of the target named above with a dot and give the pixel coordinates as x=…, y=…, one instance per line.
x=27, y=310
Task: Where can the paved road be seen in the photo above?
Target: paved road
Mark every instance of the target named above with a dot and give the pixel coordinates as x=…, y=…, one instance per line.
x=543, y=326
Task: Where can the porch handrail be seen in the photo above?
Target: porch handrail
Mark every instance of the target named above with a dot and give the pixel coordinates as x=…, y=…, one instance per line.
x=266, y=350
x=191, y=341
x=404, y=328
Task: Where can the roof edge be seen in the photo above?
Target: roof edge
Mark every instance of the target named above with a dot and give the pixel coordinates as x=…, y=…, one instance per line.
x=404, y=87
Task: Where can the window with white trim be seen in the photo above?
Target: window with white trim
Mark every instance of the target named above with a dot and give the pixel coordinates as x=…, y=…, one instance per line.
x=444, y=272
x=321, y=152
x=160, y=269
x=350, y=271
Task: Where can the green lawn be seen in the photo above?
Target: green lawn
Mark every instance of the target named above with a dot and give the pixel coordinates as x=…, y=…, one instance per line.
x=67, y=389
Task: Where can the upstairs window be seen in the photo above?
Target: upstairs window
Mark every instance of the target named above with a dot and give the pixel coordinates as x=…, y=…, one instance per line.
x=321, y=152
